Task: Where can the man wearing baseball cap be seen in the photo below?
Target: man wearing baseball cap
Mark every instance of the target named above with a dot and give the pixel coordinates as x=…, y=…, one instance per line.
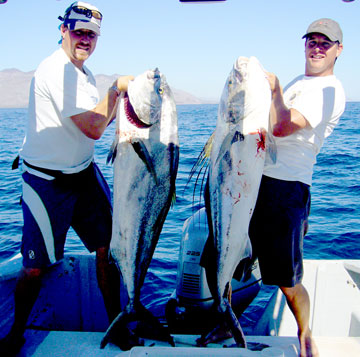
x=81, y=15
x=301, y=118
x=62, y=185
x=327, y=27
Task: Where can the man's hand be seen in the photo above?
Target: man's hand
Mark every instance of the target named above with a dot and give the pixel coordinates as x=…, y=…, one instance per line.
x=274, y=84
x=283, y=121
x=122, y=83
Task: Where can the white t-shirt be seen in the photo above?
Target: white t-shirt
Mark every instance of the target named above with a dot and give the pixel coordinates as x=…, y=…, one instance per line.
x=321, y=100
x=58, y=91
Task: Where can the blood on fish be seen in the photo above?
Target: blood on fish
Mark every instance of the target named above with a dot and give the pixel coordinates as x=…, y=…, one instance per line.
x=261, y=140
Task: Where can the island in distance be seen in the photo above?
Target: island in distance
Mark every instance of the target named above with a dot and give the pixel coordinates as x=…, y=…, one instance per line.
x=15, y=84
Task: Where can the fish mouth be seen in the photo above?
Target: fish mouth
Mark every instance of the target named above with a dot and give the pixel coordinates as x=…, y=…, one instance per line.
x=132, y=116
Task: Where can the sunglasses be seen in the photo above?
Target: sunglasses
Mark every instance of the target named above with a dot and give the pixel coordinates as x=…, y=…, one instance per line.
x=324, y=45
x=85, y=11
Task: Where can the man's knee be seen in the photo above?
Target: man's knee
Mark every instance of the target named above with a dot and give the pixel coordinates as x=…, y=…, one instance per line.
x=296, y=296
x=291, y=292
x=102, y=255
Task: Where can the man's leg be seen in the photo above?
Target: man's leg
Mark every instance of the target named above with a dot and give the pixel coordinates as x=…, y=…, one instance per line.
x=299, y=303
x=26, y=292
x=108, y=278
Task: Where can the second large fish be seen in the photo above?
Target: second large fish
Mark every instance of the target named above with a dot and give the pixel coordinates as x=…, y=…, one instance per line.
x=235, y=170
x=146, y=155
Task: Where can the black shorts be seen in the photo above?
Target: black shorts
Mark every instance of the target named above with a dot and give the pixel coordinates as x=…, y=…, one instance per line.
x=50, y=207
x=277, y=230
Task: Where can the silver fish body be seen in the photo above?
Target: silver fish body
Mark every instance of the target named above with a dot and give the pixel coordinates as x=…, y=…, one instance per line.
x=235, y=170
x=145, y=169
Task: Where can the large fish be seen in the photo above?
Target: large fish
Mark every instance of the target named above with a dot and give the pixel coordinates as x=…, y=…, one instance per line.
x=146, y=155
x=236, y=165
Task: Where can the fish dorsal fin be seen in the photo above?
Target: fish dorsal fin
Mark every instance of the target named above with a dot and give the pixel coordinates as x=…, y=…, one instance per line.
x=203, y=157
x=201, y=163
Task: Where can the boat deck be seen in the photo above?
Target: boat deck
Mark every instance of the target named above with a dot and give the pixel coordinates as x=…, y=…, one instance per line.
x=70, y=302
x=64, y=343
x=333, y=287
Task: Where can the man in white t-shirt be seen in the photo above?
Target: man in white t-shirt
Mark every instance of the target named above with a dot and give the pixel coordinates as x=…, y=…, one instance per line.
x=62, y=186
x=301, y=118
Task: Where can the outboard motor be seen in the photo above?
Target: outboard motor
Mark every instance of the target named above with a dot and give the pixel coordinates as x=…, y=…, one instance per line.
x=189, y=305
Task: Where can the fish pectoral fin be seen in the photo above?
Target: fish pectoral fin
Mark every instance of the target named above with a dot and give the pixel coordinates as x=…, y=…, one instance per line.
x=231, y=138
x=144, y=155
x=112, y=151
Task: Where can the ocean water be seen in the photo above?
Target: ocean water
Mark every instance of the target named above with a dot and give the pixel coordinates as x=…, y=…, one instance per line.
x=334, y=231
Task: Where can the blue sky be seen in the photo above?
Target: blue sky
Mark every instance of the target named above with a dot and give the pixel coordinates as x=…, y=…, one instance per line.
x=194, y=45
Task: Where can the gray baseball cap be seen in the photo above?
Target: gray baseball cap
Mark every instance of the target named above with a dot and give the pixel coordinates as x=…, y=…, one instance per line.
x=327, y=27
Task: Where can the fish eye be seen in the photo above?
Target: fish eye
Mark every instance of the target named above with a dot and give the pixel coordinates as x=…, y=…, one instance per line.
x=161, y=90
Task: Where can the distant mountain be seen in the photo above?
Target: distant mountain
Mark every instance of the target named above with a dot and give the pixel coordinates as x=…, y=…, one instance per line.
x=15, y=84
x=14, y=88
x=103, y=82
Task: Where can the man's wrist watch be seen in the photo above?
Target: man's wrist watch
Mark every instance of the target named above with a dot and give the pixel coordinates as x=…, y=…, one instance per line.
x=115, y=89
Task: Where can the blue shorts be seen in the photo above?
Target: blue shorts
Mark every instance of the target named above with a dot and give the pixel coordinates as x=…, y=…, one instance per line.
x=277, y=230
x=50, y=207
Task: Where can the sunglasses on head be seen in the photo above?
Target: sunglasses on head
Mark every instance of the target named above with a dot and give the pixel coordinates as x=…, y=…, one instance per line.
x=85, y=11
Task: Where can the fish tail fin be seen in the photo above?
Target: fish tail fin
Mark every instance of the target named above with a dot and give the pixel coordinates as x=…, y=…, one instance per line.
x=119, y=334
x=234, y=324
x=110, y=332
x=155, y=330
